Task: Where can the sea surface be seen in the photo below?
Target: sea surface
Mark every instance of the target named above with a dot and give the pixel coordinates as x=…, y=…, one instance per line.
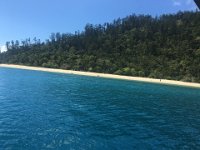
x=40, y=110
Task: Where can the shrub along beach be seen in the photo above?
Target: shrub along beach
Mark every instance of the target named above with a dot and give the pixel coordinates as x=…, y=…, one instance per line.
x=102, y=75
x=144, y=46
x=130, y=83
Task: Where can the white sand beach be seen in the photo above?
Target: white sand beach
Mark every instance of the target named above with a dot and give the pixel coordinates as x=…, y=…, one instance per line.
x=102, y=75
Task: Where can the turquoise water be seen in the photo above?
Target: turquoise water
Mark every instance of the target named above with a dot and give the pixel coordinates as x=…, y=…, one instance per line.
x=40, y=110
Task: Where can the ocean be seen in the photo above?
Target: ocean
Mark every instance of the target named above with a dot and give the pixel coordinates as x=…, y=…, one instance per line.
x=41, y=110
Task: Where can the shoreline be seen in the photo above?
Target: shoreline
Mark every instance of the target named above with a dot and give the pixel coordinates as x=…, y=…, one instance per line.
x=103, y=75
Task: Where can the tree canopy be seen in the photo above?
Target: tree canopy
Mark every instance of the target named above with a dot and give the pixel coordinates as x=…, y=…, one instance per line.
x=167, y=46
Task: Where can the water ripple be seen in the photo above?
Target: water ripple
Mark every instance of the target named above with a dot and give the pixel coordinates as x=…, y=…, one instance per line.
x=54, y=111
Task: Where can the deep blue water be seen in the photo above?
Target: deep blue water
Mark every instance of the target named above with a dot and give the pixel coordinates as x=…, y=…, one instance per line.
x=40, y=110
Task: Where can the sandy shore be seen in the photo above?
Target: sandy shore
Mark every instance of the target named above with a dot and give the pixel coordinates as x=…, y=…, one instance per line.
x=92, y=74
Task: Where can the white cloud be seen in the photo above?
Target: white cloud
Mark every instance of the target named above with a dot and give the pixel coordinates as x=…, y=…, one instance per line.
x=186, y=3
x=3, y=49
x=176, y=2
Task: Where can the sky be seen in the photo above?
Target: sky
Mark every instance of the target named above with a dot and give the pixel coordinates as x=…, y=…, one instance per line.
x=20, y=19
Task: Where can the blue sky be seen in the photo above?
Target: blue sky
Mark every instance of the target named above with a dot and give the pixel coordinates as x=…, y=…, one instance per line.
x=20, y=19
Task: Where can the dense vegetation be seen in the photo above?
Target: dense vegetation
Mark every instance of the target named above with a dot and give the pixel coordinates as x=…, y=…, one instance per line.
x=159, y=47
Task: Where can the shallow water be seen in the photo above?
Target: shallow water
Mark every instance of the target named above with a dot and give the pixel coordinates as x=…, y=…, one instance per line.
x=40, y=110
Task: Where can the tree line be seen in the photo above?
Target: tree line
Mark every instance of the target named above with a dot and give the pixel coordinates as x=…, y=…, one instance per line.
x=167, y=46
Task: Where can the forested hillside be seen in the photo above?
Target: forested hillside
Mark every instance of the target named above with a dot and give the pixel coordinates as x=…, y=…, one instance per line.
x=159, y=47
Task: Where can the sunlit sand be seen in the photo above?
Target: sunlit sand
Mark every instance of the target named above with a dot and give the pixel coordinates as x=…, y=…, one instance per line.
x=112, y=76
